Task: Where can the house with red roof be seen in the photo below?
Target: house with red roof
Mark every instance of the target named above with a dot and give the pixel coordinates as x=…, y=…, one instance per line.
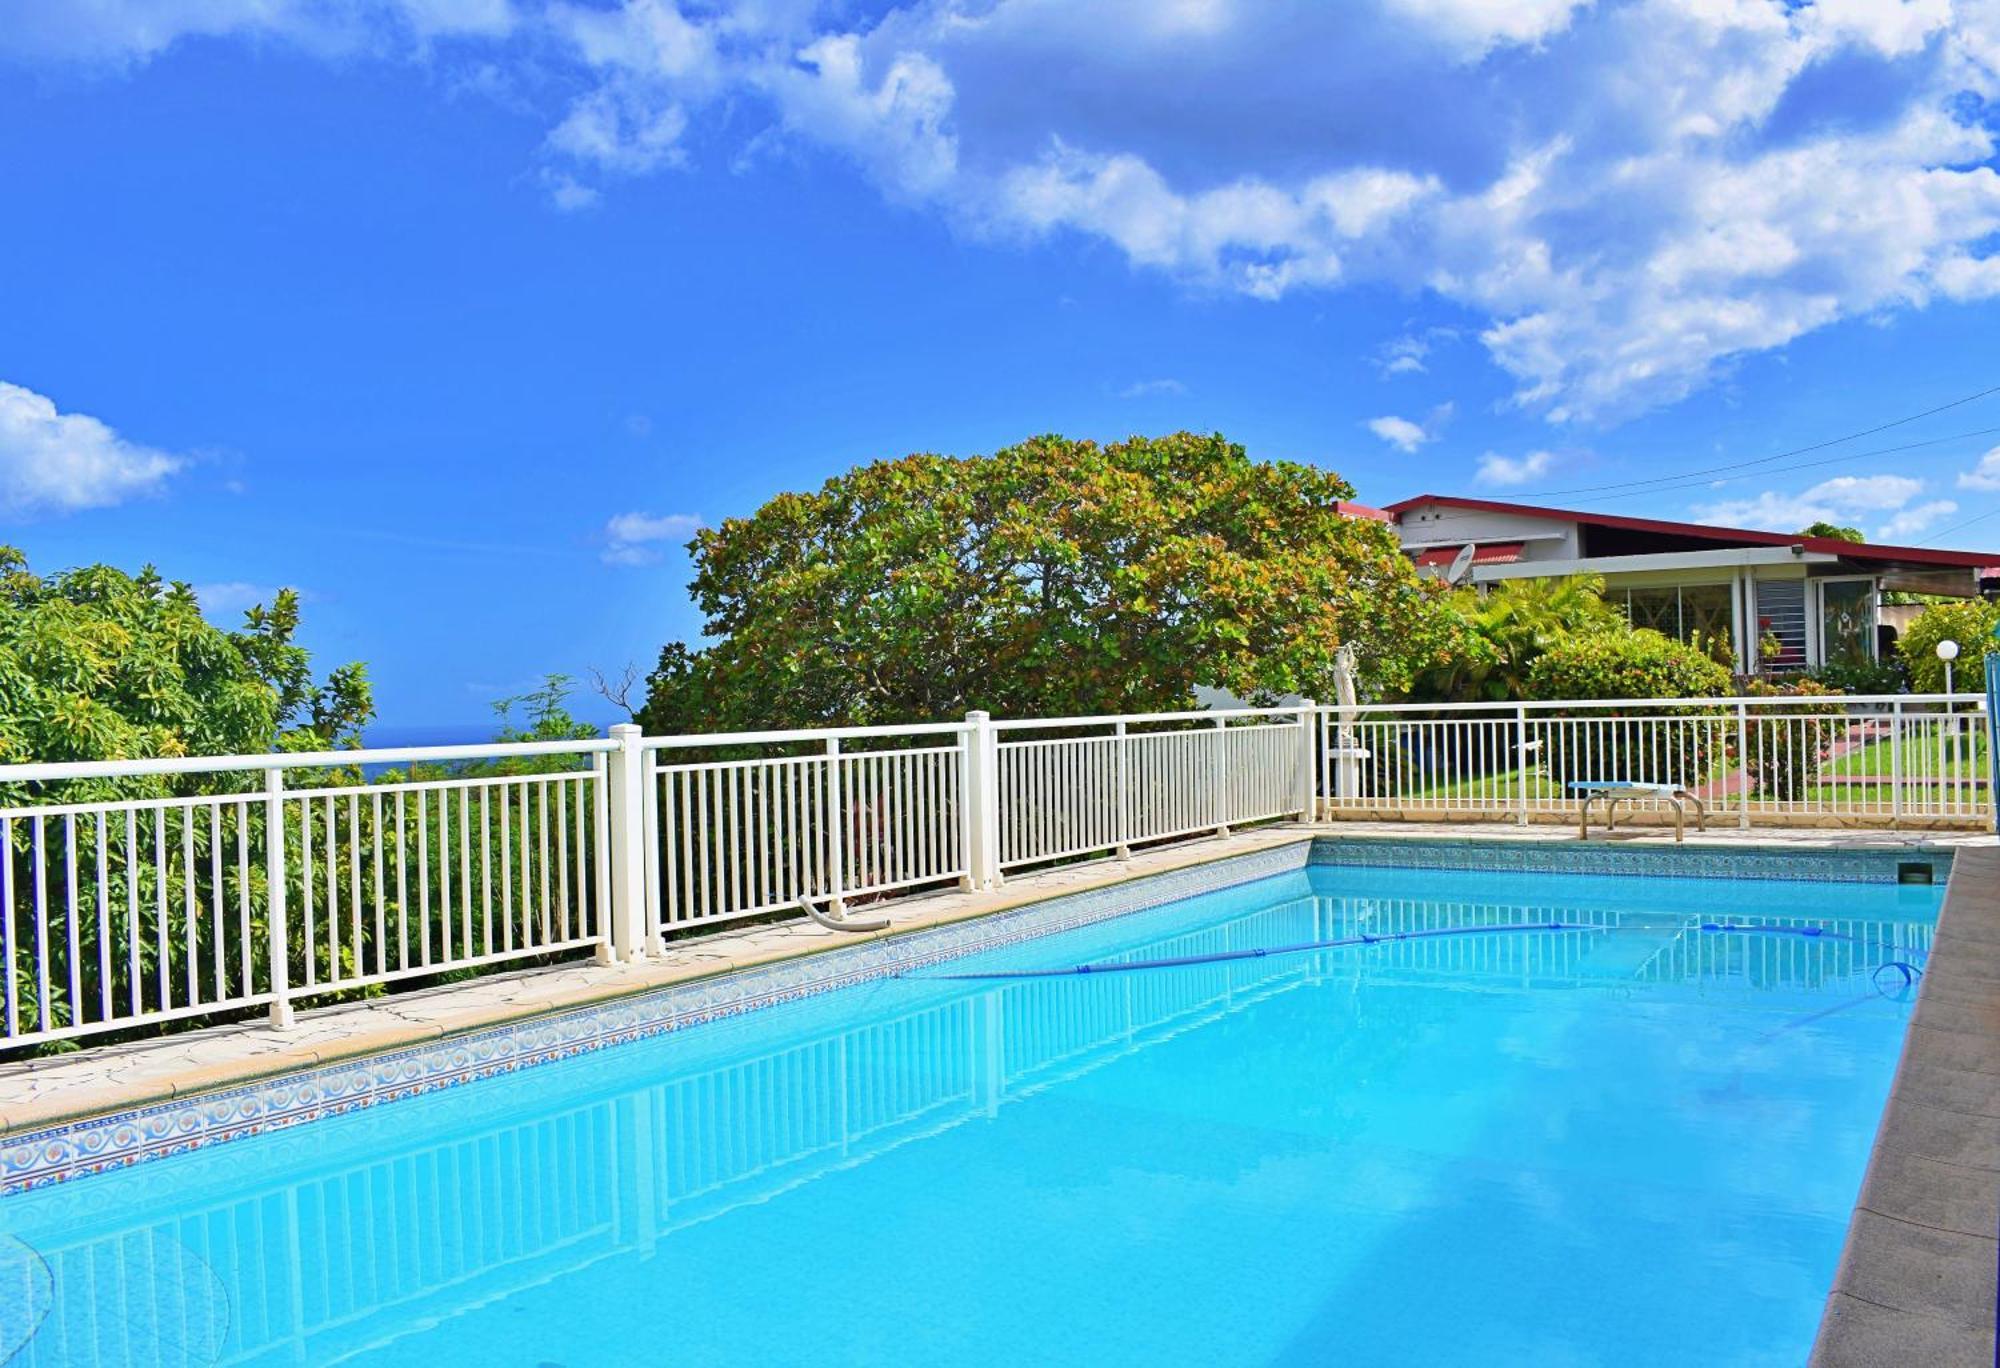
x=1782, y=600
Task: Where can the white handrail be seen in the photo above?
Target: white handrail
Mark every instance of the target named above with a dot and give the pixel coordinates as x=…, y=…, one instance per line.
x=698, y=740
x=46, y=772
x=1830, y=701
x=1206, y=715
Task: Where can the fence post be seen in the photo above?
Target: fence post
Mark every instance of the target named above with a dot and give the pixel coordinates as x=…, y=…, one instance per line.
x=1521, y=756
x=627, y=773
x=990, y=743
x=1308, y=760
x=982, y=802
x=1124, y=770
x=274, y=883
x=836, y=830
x=1743, y=782
x=1218, y=789
x=1992, y=728
x=1896, y=762
x=600, y=853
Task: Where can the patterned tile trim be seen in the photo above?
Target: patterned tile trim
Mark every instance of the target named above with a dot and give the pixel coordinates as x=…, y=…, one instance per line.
x=37, y=1158
x=1656, y=862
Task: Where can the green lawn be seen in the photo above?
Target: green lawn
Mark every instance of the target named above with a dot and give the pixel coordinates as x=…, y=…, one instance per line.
x=1501, y=784
x=1920, y=757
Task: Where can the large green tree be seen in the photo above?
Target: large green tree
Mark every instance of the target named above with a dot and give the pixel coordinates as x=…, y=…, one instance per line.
x=1052, y=578
x=96, y=664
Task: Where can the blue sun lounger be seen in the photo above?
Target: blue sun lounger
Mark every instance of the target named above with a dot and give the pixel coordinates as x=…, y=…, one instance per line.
x=1616, y=791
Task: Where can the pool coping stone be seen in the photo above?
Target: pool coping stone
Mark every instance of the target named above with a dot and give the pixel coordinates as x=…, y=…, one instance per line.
x=1919, y=1276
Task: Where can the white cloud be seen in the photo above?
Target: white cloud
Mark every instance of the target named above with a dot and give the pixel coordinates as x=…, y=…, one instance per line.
x=1495, y=469
x=1916, y=519
x=616, y=134
x=126, y=32
x=1621, y=200
x=637, y=538
x=1400, y=433
x=568, y=194
x=1983, y=476
x=1885, y=501
x=1405, y=435
x=897, y=128
x=1149, y=389
x=1472, y=28
x=1408, y=354
x=61, y=462
x=650, y=39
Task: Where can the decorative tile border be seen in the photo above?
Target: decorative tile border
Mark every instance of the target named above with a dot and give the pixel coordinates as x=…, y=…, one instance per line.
x=1830, y=864
x=38, y=1158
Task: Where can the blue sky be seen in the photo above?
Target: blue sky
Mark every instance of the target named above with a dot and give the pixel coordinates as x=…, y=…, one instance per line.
x=458, y=314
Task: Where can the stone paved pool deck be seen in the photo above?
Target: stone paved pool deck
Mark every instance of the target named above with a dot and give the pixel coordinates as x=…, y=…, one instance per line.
x=1917, y=1280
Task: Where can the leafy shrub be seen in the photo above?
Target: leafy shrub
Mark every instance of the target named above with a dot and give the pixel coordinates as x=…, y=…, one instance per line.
x=1784, y=759
x=1641, y=664
x=1886, y=676
x=1969, y=622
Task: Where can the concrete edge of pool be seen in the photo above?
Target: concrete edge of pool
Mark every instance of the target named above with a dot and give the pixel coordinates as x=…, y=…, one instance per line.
x=1919, y=1277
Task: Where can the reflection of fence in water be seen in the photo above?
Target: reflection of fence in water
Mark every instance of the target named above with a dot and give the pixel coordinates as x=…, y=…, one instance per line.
x=1540, y=955
x=304, y=1273
x=1644, y=947
x=1846, y=950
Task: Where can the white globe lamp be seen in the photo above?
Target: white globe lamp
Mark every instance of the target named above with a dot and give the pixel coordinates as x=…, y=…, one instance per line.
x=1947, y=651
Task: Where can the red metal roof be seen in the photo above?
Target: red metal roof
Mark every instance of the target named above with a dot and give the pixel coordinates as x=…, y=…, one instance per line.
x=1355, y=510
x=1484, y=553
x=1862, y=551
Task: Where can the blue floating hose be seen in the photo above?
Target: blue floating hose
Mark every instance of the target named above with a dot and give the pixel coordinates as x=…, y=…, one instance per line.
x=1910, y=972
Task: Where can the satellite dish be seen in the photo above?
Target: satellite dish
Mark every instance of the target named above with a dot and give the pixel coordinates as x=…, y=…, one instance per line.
x=1461, y=565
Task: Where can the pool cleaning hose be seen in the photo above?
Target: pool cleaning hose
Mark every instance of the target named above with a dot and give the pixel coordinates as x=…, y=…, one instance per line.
x=1910, y=972
x=851, y=924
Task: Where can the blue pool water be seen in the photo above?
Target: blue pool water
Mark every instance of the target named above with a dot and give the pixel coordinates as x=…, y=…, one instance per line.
x=1636, y=1143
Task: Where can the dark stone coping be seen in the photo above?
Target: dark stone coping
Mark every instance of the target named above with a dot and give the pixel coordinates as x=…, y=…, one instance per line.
x=1917, y=1278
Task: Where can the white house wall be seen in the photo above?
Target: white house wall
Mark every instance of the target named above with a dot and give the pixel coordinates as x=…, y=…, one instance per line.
x=1544, y=539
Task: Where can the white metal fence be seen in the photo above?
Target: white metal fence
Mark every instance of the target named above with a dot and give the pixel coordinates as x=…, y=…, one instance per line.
x=1082, y=785
x=1828, y=760
x=146, y=891
x=742, y=825
x=282, y=878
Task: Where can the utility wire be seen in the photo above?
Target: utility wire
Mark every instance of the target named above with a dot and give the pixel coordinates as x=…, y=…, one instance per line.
x=1698, y=481
x=1766, y=460
x=1947, y=531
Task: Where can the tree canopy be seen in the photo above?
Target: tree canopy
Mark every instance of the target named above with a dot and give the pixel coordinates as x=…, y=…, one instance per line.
x=96, y=664
x=1052, y=578
x=1833, y=530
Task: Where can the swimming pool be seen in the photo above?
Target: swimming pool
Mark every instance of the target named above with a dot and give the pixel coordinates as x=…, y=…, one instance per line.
x=1633, y=1133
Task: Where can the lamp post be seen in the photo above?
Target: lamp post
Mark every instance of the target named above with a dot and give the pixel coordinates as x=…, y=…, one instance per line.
x=1947, y=651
